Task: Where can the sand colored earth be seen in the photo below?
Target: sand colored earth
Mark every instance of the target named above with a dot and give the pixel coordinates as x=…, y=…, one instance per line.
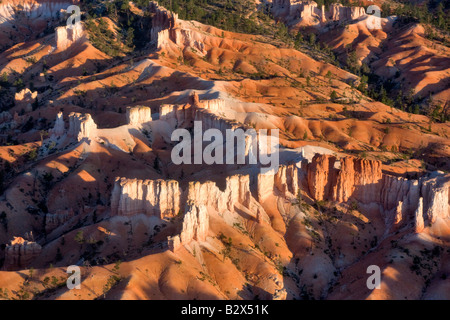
x=90, y=180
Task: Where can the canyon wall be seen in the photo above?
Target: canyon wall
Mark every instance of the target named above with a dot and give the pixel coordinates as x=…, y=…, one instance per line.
x=362, y=180
x=164, y=199
x=212, y=121
x=59, y=128
x=402, y=202
x=177, y=115
x=151, y=197
x=213, y=105
x=285, y=183
x=338, y=12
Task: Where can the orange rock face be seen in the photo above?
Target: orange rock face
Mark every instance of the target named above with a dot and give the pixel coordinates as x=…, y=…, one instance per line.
x=321, y=175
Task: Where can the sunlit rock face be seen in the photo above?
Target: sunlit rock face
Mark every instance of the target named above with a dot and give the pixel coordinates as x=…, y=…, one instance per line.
x=66, y=36
x=159, y=198
x=81, y=126
x=25, y=98
x=32, y=10
x=138, y=115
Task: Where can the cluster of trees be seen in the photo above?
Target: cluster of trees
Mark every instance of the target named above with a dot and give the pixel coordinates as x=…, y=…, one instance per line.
x=227, y=14
x=104, y=39
x=347, y=3
x=431, y=12
x=133, y=30
x=388, y=93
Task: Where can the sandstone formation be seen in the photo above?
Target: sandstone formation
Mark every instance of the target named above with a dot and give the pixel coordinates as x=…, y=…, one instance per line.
x=20, y=253
x=195, y=227
x=59, y=127
x=363, y=181
x=163, y=21
x=138, y=115
x=155, y=198
x=357, y=180
x=167, y=28
x=81, y=126
x=320, y=176
x=213, y=105
x=25, y=98
x=308, y=231
x=66, y=37
x=166, y=199
x=338, y=12
x=285, y=183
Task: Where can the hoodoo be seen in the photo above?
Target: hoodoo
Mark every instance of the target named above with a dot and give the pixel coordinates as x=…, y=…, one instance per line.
x=235, y=150
x=20, y=253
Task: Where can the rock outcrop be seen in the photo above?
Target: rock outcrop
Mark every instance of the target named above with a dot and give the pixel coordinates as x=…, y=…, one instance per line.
x=159, y=198
x=213, y=105
x=59, y=127
x=166, y=199
x=403, y=201
x=138, y=115
x=20, y=253
x=81, y=126
x=177, y=115
x=65, y=37
x=167, y=28
x=32, y=10
x=321, y=174
x=195, y=224
x=237, y=190
x=358, y=177
x=285, y=183
x=25, y=98
x=195, y=227
x=162, y=198
x=436, y=198
x=338, y=12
